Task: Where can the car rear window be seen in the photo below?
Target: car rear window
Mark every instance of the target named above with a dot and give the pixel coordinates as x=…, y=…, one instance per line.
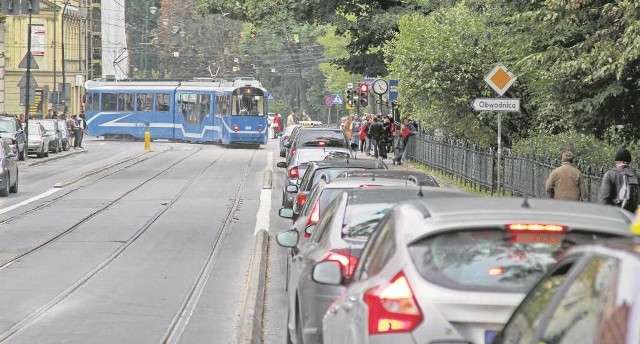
x=360, y=220
x=318, y=138
x=328, y=195
x=491, y=259
x=330, y=172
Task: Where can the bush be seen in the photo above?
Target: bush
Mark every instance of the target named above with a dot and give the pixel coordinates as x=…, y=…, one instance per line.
x=587, y=149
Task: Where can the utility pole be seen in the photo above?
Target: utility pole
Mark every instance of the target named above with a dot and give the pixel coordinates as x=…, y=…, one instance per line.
x=55, y=54
x=64, y=69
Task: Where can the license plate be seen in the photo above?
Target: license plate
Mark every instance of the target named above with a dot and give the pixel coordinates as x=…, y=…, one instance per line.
x=488, y=336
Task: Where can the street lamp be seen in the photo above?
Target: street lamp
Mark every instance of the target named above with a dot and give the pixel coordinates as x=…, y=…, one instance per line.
x=153, y=10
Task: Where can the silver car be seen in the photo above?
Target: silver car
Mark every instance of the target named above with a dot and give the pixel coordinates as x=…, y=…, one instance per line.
x=38, y=140
x=340, y=235
x=453, y=270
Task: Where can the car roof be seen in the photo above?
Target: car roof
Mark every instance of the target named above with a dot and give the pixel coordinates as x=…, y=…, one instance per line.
x=420, y=177
x=397, y=193
x=615, y=247
x=362, y=163
x=310, y=153
x=429, y=215
x=364, y=182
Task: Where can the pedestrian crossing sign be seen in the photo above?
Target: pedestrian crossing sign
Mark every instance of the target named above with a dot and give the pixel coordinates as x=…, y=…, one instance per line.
x=337, y=99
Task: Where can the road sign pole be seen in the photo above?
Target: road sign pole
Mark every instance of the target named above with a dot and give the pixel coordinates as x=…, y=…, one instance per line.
x=328, y=117
x=499, y=152
x=28, y=92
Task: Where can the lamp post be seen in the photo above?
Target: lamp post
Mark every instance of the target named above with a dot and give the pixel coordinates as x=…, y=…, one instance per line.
x=153, y=10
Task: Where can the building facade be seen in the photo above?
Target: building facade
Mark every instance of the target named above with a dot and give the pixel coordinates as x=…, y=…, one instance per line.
x=59, y=36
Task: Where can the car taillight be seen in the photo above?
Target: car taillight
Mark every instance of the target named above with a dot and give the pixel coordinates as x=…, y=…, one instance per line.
x=393, y=307
x=369, y=186
x=302, y=197
x=314, y=217
x=347, y=261
x=235, y=128
x=292, y=152
x=260, y=128
x=293, y=173
x=497, y=271
x=535, y=227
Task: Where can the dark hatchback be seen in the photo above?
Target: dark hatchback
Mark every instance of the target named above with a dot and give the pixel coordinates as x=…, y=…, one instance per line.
x=316, y=137
x=11, y=131
x=416, y=177
x=318, y=170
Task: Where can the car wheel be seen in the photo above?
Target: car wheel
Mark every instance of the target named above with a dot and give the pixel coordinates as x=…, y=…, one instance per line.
x=40, y=154
x=5, y=191
x=46, y=152
x=14, y=188
x=59, y=147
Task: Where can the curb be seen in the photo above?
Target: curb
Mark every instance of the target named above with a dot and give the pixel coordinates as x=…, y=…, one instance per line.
x=55, y=157
x=250, y=327
x=267, y=179
x=95, y=171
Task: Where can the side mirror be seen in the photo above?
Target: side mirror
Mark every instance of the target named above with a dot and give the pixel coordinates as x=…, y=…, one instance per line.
x=309, y=230
x=282, y=164
x=327, y=272
x=292, y=188
x=288, y=239
x=286, y=143
x=286, y=213
x=354, y=146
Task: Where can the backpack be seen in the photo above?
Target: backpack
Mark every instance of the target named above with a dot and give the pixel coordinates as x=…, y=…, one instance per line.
x=628, y=193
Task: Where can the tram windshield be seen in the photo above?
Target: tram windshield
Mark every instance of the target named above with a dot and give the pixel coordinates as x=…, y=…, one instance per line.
x=248, y=105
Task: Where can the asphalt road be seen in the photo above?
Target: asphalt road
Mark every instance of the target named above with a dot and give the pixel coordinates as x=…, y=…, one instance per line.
x=153, y=249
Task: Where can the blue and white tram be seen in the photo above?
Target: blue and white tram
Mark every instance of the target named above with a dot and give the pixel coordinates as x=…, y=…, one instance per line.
x=195, y=111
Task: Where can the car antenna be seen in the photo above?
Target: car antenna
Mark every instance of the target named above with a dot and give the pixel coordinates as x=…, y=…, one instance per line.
x=420, y=192
x=525, y=203
x=373, y=176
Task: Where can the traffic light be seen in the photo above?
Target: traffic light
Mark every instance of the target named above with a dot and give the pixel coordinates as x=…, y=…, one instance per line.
x=363, y=88
x=350, y=93
x=254, y=31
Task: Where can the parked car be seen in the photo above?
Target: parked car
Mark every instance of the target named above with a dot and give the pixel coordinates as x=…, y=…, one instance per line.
x=55, y=137
x=420, y=178
x=590, y=296
x=12, y=131
x=455, y=269
x=329, y=168
x=284, y=139
x=9, y=177
x=38, y=140
x=64, y=134
x=298, y=165
x=340, y=235
x=316, y=137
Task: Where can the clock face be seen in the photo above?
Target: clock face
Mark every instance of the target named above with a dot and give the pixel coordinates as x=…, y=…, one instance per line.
x=380, y=86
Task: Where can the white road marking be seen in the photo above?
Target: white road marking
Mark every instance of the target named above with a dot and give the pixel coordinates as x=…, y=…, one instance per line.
x=262, y=218
x=30, y=200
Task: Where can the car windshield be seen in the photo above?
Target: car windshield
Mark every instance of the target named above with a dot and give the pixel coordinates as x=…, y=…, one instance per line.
x=34, y=130
x=360, y=220
x=319, y=138
x=6, y=127
x=491, y=259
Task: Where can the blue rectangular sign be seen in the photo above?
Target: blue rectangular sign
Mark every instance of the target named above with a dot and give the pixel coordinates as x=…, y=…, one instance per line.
x=393, y=89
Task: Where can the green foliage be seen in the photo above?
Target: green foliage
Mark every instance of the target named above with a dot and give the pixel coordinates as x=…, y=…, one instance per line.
x=586, y=148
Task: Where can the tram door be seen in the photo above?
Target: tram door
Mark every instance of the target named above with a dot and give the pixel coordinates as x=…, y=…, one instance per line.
x=194, y=119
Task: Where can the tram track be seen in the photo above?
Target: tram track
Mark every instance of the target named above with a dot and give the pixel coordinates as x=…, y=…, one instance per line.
x=33, y=316
x=181, y=320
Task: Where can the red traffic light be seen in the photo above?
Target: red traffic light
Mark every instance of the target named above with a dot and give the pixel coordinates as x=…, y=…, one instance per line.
x=364, y=88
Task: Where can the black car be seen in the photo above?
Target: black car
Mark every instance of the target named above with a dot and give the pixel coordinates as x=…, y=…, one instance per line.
x=416, y=177
x=9, y=174
x=11, y=131
x=589, y=296
x=317, y=170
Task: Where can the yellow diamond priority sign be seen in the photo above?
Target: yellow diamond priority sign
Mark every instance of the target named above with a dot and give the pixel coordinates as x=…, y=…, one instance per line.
x=500, y=79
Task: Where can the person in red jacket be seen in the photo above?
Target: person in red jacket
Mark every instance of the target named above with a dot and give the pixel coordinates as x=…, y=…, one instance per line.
x=402, y=138
x=277, y=127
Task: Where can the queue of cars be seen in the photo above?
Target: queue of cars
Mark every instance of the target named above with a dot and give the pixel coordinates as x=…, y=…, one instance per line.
x=386, y=256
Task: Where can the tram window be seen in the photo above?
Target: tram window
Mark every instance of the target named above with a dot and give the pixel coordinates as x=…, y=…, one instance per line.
x=89, y=101
x=125, y=102
x=144, y=102
x=109, y=102
x=205, y=105
x=162, y=102
x=222, y=108
x=95, y=101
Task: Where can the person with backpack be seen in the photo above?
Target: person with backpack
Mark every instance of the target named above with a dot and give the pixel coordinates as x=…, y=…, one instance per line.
x=566, y=182
x=619, y=186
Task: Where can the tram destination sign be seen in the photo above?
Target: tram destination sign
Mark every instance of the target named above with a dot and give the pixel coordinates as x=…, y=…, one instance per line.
x=496, y=104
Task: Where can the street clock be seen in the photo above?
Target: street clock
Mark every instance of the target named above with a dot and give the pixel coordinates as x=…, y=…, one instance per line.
x=380, y=86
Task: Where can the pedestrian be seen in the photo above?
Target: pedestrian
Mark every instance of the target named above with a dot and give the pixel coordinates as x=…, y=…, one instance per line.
x=277, y=127
x=355, y=130
x=76, y=132
x=82, y=126
x=619, y=185
x=362, y=134
x=401, y=142
x=71, y=127
x=412, y=132
x=305, y=115
x=566, y=182
x=348, y=122
x=375, y=130
x=291, y=119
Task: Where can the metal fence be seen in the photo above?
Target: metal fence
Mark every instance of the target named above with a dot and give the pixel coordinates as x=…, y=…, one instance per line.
x=477, y=167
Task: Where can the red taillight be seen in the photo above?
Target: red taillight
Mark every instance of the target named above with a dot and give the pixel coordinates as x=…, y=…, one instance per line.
x=314, y=217
x=322, y=143
x=260, y=128
x=497, y=271
x=293, y=173
x=393, y=307
x=235, y=128
x=368, y=186
x=535, y=227
x=347, y=261
x=302, y=197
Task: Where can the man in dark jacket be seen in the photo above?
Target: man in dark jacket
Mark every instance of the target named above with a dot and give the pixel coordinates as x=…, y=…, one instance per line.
x=613, y=181
x=566, y=182
x=375, y=130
